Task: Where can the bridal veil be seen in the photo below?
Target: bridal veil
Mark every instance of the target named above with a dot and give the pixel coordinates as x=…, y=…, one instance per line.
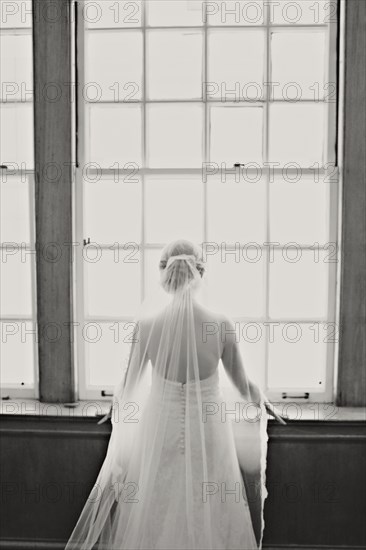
x=185, y=465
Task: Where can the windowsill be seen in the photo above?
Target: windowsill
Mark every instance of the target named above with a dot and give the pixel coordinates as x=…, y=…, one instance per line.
x=323, y=412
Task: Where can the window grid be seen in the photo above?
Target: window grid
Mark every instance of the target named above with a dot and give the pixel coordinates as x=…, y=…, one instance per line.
x=265, y=102
x=26, y=321
x=19, y=24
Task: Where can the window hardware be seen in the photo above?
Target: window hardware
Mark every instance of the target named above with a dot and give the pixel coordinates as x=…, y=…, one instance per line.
x=301, y=396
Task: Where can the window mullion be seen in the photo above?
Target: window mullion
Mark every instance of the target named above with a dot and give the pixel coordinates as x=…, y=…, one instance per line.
x=53, y=200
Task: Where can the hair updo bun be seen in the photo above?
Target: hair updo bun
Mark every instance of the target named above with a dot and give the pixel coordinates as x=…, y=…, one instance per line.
x=178, y=273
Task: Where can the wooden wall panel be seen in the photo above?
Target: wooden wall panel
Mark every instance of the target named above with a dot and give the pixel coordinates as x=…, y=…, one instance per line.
x=316, y=479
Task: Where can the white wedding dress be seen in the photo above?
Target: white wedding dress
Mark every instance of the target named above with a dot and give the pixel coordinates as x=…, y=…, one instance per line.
x=182, y=471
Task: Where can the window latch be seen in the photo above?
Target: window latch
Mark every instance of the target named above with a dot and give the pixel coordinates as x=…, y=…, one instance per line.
x=301, y=396
x=86, y=241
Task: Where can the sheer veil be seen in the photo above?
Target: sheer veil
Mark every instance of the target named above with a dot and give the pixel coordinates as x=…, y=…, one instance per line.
x=184, y=453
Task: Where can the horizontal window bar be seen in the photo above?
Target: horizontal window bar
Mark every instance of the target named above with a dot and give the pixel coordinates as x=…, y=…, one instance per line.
x=230, y=247
x=212, y=101
x=15, y=31
x=198, y=171
x=248, y=27
x=259, y=320
x=15, y=101
x=15, y=317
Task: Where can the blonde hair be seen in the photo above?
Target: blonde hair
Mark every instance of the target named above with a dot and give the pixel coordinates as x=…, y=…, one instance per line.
x=178, y=274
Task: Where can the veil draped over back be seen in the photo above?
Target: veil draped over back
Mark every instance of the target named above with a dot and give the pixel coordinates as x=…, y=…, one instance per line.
x=185, y=465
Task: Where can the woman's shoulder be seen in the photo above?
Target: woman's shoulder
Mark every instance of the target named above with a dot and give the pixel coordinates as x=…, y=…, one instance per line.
x=214, y=315
x=149, y=321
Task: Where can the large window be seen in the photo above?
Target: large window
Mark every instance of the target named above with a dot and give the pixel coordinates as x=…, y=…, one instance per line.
x=18, y=315
x=172, y=95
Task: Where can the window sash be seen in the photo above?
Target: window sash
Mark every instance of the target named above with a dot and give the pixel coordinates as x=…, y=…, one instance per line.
x=330, y=155
x=22, y=173
x=25, y=390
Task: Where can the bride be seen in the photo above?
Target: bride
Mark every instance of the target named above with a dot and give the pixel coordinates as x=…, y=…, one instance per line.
x=185, y=466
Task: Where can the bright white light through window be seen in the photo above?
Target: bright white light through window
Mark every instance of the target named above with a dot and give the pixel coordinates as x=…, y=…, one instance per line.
x=175, y=97
x=17, y=284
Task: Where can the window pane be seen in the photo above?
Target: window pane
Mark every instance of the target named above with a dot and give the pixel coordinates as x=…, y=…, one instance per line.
x=299, y=211
x=235, y=282
x=236, y=135
x=303, y=12
x=298, y=65
x=14, y=216
x=299, y=284
x=114, y=136
x=174, y=64
x=175, y=136
x=236, y=211
x=16, y=139
x=235, y=64
x=152, y=272
x=113, y=69
x=173, y=209
x=16, y=282
x=243, y=12
x=17, y=352
x=252, y=349
x=297, y=134
x=16, y=13
x=297, y=358
x=161, y=13
x=16, y=67
x=112, y=13
x=106, y=350
x=250, y=337
x=112, y=281
x=112, y=210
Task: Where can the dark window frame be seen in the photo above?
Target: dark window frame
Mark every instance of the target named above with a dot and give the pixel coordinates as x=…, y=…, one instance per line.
x=351, y=387
x=53, y=127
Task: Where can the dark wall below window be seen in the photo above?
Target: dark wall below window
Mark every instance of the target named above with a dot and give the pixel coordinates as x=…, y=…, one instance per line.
x=316, y=479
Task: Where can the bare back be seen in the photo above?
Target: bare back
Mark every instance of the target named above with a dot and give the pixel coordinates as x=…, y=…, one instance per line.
x=208, y=343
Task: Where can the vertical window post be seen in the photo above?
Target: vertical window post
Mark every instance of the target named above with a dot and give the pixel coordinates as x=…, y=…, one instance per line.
x=352, y=350
x=53, y=196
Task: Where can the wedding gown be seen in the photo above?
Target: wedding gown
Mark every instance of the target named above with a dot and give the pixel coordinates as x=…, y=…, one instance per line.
x=185, y=466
